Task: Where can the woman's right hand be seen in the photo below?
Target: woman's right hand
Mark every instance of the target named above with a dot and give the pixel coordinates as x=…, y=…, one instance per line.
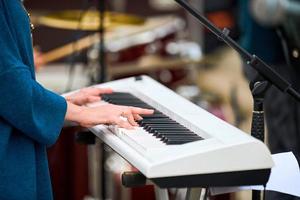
x=122, y=116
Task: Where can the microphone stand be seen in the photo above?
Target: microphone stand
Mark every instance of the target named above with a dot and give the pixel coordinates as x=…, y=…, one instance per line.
x=260, y=66
x=259, y=86
x=102, y=59
x=101, y=79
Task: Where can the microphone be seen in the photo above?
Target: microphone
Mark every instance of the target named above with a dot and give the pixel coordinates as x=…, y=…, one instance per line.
x=274, y=12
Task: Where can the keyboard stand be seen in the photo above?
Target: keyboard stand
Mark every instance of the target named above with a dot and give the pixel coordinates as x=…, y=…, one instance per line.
x=193, y=193
x=161, y=194
x=137, y=179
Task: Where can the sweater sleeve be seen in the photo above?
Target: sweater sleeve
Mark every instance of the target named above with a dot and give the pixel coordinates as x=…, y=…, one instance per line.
x=25, y=104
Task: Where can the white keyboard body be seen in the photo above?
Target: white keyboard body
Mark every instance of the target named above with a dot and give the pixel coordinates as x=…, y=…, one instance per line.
x=224, y=148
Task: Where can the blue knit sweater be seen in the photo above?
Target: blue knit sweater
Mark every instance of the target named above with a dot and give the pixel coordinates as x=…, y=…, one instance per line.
x=31, y=117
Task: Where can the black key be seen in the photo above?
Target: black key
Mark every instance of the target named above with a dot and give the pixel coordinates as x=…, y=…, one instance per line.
x=170, y=129
x=119, y=94
x=166, y=137
x=163, y=136
x=159, y=120
x=174, y=131
x=161, y=128
x=154, y=116
x=176, y=141
x=128, y=101
x=160, y=133
x=172, y=126
x=181, y=137
x=176, y=125
x=166, y=124
x=137, y=101
x=149, y=126
x=156, y=121
x=134, y=105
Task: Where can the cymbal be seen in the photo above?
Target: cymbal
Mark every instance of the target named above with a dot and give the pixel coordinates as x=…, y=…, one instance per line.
x=87, y=20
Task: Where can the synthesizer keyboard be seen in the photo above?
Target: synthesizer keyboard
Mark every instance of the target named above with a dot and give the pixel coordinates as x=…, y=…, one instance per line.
x=182, y=145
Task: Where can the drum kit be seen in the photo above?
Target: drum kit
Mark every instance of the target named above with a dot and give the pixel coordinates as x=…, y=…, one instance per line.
x=133, y=45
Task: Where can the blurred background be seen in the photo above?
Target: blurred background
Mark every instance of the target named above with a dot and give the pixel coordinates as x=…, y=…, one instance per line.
x=153, y=37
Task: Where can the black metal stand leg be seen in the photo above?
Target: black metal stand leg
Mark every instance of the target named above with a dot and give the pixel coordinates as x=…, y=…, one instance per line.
x=101, y=78
x=137, y=179
x=258, y=89
x=102, y=60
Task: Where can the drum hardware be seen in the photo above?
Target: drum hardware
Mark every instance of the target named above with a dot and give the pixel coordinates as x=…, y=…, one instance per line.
x=159, y=30
x=150, y=63
x=164, y=5
x=129, y=48
x=120, y=38
x=87, y=21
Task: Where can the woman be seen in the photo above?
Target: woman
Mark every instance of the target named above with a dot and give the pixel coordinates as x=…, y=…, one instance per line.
x=31, y=117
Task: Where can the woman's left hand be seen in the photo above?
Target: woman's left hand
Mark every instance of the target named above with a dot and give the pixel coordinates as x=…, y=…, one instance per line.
x=87, y=95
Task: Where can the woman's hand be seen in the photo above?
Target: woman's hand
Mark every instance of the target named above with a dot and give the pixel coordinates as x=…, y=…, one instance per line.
x=123, y=116
x=87, y=95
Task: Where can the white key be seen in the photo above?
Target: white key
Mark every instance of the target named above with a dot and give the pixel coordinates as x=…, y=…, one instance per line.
x=138, y=138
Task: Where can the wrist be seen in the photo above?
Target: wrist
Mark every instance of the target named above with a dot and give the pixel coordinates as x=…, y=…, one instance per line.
x=74, y=113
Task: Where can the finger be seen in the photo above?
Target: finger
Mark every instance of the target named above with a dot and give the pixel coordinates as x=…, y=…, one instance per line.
x=130, y=119
x=137, y=117
x=106, y=90
x=123, y=124
x=142, y=111
x=99, y=91
x=92, y=99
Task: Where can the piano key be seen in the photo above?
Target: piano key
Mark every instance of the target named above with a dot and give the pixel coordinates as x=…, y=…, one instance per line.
x=137, y=101
x=129, y=102
x=160, y=133
x=154, y=116
x=156, y=121
x=180, y=141
x=158, y=124
x=146, y=126
x=163, y=125
x=165, y=136
x=141, y=138
x=173, y=131
x=169, y=129
x=119, y=94
x=180, y=137
x=133, y=105
x=153, y=128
